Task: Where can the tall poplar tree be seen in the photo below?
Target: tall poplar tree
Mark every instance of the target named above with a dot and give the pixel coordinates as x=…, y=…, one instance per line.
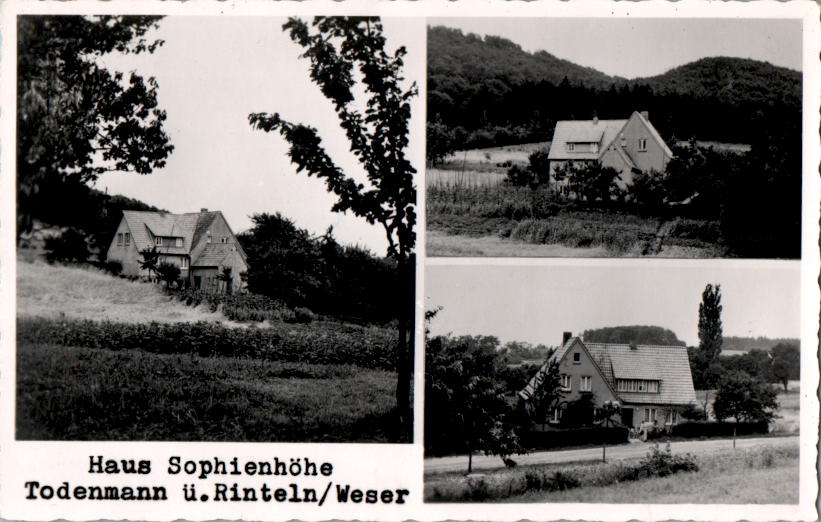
x=345, y=52
x=710, y=334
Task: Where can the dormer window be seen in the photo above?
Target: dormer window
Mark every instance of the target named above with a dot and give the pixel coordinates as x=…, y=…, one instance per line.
x=571, y=147
x=637, y=385
x=178, y=242
x=158, y=241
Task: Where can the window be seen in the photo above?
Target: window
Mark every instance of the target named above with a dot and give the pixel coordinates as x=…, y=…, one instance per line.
x=566, y=382
x=224, y=240
x=637, y=385
x=127, y=239
x=119, y=239
x=571, y=147
x=183, y=262
x=158, y=241
x=178, y=242
x=642, y=144
x=208, y=239
x=586, y=383
x=577, y=357
x=649, y=415
x=555, y=415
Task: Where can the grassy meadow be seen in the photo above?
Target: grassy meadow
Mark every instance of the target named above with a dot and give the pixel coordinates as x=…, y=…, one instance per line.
x=760, y=475
x=104, y=358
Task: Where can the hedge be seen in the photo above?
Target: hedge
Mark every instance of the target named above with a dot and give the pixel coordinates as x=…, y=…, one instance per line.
x=325, y=343
x=695, y=429
x=538, y=440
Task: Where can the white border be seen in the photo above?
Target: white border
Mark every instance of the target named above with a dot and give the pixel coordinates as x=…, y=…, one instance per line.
x=396, y=465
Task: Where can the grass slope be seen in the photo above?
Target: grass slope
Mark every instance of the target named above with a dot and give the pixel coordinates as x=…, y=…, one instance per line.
x=69, y=393
x=46, y=290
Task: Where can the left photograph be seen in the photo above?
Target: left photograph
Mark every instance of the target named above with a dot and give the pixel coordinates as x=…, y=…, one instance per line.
x=216, y=228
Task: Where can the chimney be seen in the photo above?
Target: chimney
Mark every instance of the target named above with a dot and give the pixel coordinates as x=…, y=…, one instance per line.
x=645, y=115
x=203, y=210
x=595, y=120
x=566, y=337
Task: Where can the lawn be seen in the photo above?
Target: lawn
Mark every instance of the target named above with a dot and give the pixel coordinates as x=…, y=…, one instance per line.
x=70, y=393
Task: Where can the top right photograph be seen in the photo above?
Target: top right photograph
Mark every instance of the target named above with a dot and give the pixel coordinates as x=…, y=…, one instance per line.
x=593, y=137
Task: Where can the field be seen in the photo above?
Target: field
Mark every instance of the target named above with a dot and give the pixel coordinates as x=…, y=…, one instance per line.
x=148, y=367
x=471, y=211
x=788, y=420
x=765, y=474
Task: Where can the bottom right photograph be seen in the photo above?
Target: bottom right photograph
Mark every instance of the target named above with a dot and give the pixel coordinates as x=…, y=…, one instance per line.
x=677, y=382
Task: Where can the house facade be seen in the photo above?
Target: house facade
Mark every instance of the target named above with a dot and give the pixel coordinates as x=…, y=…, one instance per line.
x=629, y=146
x=652, y=383
x=201, y=244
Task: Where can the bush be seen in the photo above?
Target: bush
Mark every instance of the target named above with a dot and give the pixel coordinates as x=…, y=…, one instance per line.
x=538, y=440
x=319, y=344
x=691, y=412
x=113, y=267
x=68, y=247
x=695, y=429
x=301, y=315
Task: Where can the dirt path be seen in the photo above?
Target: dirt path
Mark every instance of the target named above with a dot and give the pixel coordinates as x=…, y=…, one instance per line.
x=627, y=451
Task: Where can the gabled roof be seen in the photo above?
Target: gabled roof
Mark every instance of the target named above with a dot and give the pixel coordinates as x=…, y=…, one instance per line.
x=191, y=227
x=653, y=132
x=602, y=132
x=213, y=254
x=667, y=364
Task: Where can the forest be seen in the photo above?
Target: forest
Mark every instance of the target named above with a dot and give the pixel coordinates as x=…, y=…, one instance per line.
x=490, y=92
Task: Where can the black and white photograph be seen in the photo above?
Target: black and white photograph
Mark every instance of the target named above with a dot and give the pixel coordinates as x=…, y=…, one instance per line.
x=603, y=137
x=215, y=233
x=662, y=385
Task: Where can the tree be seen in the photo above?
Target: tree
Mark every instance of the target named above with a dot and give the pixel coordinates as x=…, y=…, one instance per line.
x=604, y=415
x=68, y=247
x=593, y=181
x=709, y=323
x=745, y=398
x=440, y=142
x=544, y=391
x=150, y=260
x=168, y=272
x=337, y=49
x=786, y=363
x=76, y=119
x=465, y=405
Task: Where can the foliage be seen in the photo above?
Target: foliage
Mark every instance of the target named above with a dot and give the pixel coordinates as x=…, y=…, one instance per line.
x=535, y=173
x=318, y=343
x=786, y=363
x=745, y=398
x=706, y=373
x=702, y=428
x=499, y=94
x=150, y=258
x=574, y=437
x=649, y=188
x=76, y=119
x=441, y=142
x=657, y=463
x=636, y=334
x=545, y=391
x=579, y=413
x=590, y=181
x=709, y=322
x=168, y=272
x=755, y=343
x=692, y=412
x=465, y=406
x=290, y=266
x=113, y=267
x=73, y=393
x=342, y=50
x=68, y=247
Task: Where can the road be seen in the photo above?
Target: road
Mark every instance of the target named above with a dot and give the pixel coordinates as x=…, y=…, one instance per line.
x=625, y=451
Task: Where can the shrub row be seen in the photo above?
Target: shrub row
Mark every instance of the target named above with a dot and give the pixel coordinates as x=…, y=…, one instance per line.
x=321, y=343
x=246, y=307
x=538, y=440
x=657, y=463
x=695, y=429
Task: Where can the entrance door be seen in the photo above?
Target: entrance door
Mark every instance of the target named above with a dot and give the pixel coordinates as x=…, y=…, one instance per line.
x=197, y=282
x=627, y=417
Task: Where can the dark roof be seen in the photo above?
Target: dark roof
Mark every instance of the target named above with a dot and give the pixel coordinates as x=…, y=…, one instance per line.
x=213, y=254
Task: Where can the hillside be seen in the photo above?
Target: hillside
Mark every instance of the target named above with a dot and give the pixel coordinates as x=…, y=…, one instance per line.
x=490, y=92
x=53, y=291
x=745, y=344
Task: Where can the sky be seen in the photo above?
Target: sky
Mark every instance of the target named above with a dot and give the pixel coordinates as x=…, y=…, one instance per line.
x=639, y=47
x=536, y=303
x=214, y=71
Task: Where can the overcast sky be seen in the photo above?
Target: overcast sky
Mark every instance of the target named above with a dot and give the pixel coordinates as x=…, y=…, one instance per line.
x=638, y=47
x=536, y=304
x=213, y=72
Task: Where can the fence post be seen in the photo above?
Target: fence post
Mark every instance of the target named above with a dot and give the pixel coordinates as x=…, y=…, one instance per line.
x=734, y=428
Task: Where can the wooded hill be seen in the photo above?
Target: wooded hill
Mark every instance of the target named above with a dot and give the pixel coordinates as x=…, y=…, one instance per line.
x=491, y=92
